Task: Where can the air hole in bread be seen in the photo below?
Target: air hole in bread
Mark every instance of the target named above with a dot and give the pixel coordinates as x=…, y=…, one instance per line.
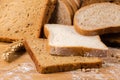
x=81, y=23
x=28, y=15
x=31, y=34
x=6, y=5
x=40, y=50
x=75, y=60
x=8, y=29
x=98, y=65
x=16, y=31
x=27, y=25
x=111, y=1
x=23, y=1
x=21, y=29
x=5, y=15
x=82, y=67
x=45, y=57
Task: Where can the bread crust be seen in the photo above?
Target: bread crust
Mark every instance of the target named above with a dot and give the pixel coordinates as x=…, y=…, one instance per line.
x=77, y=51
x=97, y=31
x=32, y=56
x=88, y=2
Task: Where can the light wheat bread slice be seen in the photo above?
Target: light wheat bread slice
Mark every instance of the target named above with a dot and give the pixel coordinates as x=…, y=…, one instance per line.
x=23, y=18
x=62, y=14
x=64, y=40
x=97, y=19
x=46, y=63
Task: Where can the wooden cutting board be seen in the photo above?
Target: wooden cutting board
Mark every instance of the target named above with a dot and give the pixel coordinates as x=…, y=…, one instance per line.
x=24, y=69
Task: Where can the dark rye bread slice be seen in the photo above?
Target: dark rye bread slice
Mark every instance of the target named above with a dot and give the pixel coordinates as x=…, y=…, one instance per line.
x=23, y=18
x=46, y=63
x=64, y=40
x=88, y=2
x=97, y=19
x=111, y=39
x=62, y=14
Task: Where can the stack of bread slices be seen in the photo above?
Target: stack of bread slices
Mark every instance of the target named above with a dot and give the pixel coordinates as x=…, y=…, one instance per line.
x=71, y=33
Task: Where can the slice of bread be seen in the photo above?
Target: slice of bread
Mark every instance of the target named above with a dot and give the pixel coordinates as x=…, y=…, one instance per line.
x=97, y=19
x=64, y=40
x=111, y=39
x=62, y=14
x=46, y=63
x=23, y=18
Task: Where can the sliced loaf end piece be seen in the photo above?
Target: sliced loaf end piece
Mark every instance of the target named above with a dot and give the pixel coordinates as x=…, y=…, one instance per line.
x=46, y=63
x=97, y=19
x=64, y=40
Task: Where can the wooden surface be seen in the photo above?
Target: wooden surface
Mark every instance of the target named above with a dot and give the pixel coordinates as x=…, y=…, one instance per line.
x=24, y=69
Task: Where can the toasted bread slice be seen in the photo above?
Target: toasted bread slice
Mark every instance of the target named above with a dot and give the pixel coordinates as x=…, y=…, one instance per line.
x=97, y=19
x=21, y=19
x=46, y=63
x=64, y=40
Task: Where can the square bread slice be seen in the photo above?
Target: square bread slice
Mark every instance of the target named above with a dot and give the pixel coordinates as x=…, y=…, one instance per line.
x=64, y=40
x=46, y=63
x=23, y=18
x=98, y=19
